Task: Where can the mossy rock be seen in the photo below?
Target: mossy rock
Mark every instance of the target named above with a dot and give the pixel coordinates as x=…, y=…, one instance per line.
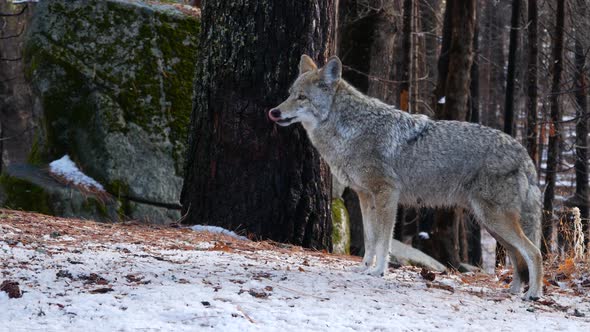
x=114, y=81
x=30, y=188
x=24, y=195
x=340, y=227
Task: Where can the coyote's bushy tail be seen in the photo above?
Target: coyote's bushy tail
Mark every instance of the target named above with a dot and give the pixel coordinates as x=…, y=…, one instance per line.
x=531, y=213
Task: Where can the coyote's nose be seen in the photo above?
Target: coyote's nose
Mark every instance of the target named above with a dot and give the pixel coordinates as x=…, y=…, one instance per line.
x=274, y=114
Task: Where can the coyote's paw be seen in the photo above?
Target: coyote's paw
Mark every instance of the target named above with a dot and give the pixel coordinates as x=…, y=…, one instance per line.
x=360, y=268
x=528, y=296
x=515, y=288
x=375, y=272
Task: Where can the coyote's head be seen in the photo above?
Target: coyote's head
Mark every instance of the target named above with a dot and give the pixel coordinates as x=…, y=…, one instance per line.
x=311, y=95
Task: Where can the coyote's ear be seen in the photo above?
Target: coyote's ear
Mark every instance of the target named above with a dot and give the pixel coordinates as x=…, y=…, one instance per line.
x=306, y=64
x=332, y=71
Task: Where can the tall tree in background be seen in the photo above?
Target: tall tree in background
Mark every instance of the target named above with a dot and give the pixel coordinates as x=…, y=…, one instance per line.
x=511, y=76
x=581, y=95
x=367, y=46
x=459, y=26
x=404, y=87
x=509, y=97
x=533, y=50
x=241, y=172
x=472, y=227
x=554, y=130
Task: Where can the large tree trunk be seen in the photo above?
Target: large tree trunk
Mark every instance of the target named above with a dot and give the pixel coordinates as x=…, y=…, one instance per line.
x=16, y=97
x=581, y=93
x=456, y=77
x=242, y=172
x=367, y=35
x=554, y=132
x=511, y=77
x=531, y=128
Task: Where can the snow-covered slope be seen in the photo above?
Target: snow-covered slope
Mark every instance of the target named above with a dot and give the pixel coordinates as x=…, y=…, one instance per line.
x=83, y=276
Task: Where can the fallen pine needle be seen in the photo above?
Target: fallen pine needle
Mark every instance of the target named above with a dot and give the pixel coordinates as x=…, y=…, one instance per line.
x=245, y=314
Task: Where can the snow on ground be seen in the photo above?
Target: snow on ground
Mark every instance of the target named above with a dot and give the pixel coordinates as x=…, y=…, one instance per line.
x=66, y=168
x=85, y=276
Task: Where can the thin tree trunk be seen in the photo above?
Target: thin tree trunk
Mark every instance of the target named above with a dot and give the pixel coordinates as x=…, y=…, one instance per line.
x=242, y=172
x=443, y=60
x=531, y=129
x=511, y=77
x=472, y=226
x=554, y=131
x=581, y=93
x=404, y=88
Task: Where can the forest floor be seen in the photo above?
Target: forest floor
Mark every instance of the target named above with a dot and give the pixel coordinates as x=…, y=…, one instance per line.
x=76, y=275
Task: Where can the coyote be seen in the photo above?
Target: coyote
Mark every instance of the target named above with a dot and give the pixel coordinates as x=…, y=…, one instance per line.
x=390, y=157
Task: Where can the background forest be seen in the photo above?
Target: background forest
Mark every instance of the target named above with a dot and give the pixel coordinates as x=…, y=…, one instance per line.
x=164, y=104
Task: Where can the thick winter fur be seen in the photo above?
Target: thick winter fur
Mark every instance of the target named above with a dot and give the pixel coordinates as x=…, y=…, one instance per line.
x=390, y=157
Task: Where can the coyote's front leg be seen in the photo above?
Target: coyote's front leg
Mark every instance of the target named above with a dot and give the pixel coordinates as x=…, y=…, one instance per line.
x=385, y=200
x=367, y=210
x=378, y=208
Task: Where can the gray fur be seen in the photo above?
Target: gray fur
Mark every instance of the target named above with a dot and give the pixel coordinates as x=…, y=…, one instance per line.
x=388, y=157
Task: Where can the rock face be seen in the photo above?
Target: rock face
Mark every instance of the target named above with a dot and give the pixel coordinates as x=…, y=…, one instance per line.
x=113, y=81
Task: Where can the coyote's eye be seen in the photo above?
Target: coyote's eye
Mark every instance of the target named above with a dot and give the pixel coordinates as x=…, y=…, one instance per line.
x=301, y=97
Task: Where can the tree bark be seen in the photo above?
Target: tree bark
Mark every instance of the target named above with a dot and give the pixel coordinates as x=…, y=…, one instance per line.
x=554, y=131
x=511, y=76
x=460, y=15
x=366, y=47
x=404, y=87
x=581, y=93
x=242, y=172
x=472, y=226
x=532, y=100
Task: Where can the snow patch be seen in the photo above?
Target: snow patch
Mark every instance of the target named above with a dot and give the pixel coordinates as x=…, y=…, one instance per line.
x=66, y=168
x=424, y=235
x=442, y=100
x=217, y=230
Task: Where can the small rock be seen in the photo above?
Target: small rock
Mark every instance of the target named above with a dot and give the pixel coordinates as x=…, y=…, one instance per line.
x=258, y=293
x=11, y=287
x=428, y=275
x=578, y=313
x=101, y=290
x=64, y=274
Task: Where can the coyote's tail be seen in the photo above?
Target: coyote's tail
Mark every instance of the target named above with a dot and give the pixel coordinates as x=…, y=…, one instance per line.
x=531, y=213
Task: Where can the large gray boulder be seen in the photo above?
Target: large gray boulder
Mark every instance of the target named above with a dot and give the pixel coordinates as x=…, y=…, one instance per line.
x=113, y=82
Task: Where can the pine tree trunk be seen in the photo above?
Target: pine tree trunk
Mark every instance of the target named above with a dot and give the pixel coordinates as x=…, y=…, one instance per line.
x=472, y=226
x=554, y=131
x=511, y=76
x=581, y=93
x=460, y=15
x=242, y=172
x=404, y=87
x=531, y=136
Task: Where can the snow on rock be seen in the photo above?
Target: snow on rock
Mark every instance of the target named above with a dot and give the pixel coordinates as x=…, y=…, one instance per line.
x=67, y=169
x=424, y=235
x=442, y=100
x=217, y=230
